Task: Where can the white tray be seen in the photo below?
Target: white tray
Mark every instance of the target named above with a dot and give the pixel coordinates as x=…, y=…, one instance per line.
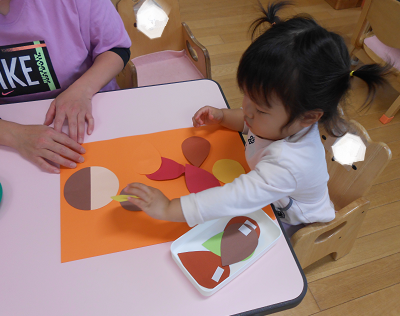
x=193, y=240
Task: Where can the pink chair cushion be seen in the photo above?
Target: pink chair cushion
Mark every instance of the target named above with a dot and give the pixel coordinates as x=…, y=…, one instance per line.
x=164, y=67
x=387, y=53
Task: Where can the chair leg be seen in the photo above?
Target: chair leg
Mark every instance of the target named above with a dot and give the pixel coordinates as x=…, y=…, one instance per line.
x=391, y=112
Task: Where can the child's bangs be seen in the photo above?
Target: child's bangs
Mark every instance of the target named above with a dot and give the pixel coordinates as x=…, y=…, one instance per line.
x=260, y=82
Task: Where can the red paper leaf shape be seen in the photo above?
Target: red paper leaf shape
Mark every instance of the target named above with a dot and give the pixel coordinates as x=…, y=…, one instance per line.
x=203, y=266
x=242, y=220
x=169, y=170
x=196, y=150
x=198, y=180
x=237, y=243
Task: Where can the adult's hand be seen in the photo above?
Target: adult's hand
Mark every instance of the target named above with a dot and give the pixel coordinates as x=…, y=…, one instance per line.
x=39, y=143
x=74, y=105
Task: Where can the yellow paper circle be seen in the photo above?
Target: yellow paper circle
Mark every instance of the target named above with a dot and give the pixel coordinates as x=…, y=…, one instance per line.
x=227, y=170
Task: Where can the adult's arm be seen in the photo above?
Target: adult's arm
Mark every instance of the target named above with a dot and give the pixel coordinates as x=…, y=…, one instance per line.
x=75, y=103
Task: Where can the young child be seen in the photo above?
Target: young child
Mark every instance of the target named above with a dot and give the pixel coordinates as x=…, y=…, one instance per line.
x=294, y=75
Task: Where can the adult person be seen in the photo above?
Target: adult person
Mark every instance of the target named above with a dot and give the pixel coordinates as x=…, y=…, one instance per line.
x=67, y=50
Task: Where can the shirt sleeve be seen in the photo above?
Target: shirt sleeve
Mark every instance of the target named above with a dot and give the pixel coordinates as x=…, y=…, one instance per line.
x=267, y=183
x=101, y=26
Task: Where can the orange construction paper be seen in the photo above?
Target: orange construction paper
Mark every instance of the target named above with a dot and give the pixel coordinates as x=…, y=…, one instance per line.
x=111, y=228
x=145, y=159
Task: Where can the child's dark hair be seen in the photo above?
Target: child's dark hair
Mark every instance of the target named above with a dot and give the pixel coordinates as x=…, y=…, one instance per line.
x=305, y=65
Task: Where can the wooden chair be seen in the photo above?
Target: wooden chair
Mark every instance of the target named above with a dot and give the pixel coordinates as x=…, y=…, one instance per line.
x=377, y=40
x=347, y=188
x=175, y=56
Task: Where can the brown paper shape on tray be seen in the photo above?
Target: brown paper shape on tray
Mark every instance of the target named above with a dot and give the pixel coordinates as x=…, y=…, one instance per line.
x=242, y=220
x=196, y=149
x=202, y=266
x=236, y=246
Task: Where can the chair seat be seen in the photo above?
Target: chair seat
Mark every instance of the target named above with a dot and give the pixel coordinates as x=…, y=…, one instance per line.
x=165, y=67
x=387, y=53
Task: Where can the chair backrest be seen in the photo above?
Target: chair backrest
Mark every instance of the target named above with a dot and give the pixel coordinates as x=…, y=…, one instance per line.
x=383, y=16
x=172, y=37
x=348, y=183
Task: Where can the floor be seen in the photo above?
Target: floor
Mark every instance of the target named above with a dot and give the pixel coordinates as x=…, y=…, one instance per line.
x=367, y=280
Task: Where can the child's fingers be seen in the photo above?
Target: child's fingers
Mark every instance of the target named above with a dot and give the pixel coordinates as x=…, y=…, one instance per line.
x=138, y=189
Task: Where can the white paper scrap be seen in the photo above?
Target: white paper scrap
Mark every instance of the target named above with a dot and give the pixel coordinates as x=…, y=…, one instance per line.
x=217, y=274
x=244, y=230
x=248, y=223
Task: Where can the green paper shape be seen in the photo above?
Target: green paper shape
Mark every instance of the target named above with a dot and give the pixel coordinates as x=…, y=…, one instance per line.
x=1, y=192
x=214, y=245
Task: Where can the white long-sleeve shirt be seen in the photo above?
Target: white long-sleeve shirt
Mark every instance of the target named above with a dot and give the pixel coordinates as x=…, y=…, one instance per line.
x=292, y=167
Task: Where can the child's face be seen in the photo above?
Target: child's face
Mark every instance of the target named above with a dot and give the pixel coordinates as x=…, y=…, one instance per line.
x=268, y=122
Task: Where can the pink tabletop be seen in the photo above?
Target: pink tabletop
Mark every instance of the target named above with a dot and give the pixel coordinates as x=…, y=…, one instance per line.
x=143, y=281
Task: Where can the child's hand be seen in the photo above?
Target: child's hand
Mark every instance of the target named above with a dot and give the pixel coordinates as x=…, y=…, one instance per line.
x=207, y=115
x=154, y=203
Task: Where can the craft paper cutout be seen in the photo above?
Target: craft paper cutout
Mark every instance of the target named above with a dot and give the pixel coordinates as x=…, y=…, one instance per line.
x=128, y=205
x=214, y=244
x=111, y=228
x=227, y=170
x=196, y=150
x=203, y=267
x=217, y=274
x=198, y=179
x=169, y=170
x=123, y=197
x=90, y=188
x=145, y=158
x=236, y=246
x=1, y=192
x=245, y=220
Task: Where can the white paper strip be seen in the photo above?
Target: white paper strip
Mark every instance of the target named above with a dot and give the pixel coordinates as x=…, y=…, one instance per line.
x=244, y=230
x=217, y=274
x=248, y=223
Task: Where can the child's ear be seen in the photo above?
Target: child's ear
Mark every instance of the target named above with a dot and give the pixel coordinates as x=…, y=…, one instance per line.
x=311, y=117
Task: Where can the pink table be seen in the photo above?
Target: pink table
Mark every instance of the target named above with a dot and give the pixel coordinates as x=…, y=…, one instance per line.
x=144, y=281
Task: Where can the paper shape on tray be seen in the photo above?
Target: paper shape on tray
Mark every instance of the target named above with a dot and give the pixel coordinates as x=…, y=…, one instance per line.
x=205, y=267
x=1, y=192
x=198, y=179
x=245, y=220
x=145, y=158
x=169, y=170
x=91, y=188
x=238, y=242
x=227, y=170
x=128, y=205
x=214, y=245
x=196, y=150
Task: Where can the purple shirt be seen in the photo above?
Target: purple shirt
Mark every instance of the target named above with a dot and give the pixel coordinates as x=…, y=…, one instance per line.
x=51, y=43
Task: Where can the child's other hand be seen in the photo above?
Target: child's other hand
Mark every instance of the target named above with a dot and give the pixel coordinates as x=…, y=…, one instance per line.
x=154, y=203
x=75, y=106
x=207, y=115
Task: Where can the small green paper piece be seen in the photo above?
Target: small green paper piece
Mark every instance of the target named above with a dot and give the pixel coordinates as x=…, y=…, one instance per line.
x=214, y=244
x=1, y=192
